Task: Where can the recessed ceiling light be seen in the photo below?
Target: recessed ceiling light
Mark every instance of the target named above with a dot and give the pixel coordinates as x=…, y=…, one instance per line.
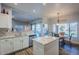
x=44, y=4
x=34, y=10
x=15, y=3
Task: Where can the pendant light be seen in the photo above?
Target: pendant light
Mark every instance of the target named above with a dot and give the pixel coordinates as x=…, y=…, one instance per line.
x=58, y=18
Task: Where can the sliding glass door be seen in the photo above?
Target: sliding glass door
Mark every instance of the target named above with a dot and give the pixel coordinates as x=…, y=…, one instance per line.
x=37, y=28
x=40, y=29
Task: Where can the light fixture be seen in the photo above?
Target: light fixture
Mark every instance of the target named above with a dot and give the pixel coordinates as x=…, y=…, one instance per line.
x=44, y=4
x=34, y=10
x=58, y=18
x=15, y=3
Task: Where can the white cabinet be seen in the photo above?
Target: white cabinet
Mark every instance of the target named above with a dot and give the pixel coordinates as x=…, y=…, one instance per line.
x=17, y=44
x=9, y=45
x=46, y=46
x=5, y=21
x=6, y=46
x=25, y=42
x=0, y=47
x=21, y=42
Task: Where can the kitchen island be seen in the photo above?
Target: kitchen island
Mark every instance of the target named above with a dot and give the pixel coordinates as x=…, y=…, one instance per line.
x=46, y=46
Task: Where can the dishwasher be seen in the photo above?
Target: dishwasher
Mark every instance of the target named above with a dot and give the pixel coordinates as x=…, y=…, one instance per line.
x=30, y=40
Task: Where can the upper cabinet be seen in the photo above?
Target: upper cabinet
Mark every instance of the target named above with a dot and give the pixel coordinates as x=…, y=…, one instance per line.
x=5, y=21
x=5, y=17
x=0, y=7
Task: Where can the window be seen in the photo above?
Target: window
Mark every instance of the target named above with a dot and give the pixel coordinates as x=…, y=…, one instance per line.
x=54, y=28
x=40, y=29
x=45, y=29
x=73, y=29
x=33, y=28
x=19, y=28
x=36, y=28
x=68, y=28
x=64, y=28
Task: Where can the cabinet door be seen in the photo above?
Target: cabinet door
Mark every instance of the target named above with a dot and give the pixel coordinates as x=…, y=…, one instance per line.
x=6, y=46
x=17, y=44
x=0, y=47
x=25, y=42
x=21, y=42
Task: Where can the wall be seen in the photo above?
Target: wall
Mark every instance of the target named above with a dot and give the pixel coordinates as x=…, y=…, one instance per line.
x=19, y=24
x=50, y=22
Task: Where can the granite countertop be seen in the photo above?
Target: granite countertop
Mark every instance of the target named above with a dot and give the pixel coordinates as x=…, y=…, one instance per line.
x=12, y=35
x=7, y=37
x=45, y=40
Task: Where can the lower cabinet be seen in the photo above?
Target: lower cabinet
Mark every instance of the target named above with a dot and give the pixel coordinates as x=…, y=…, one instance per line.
x=17, y=44
x=6, y=46
x=0, y=47
x=25, y=42
x=13, y=44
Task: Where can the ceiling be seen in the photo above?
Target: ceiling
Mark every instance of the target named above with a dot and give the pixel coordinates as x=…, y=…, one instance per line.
x=31, y=11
